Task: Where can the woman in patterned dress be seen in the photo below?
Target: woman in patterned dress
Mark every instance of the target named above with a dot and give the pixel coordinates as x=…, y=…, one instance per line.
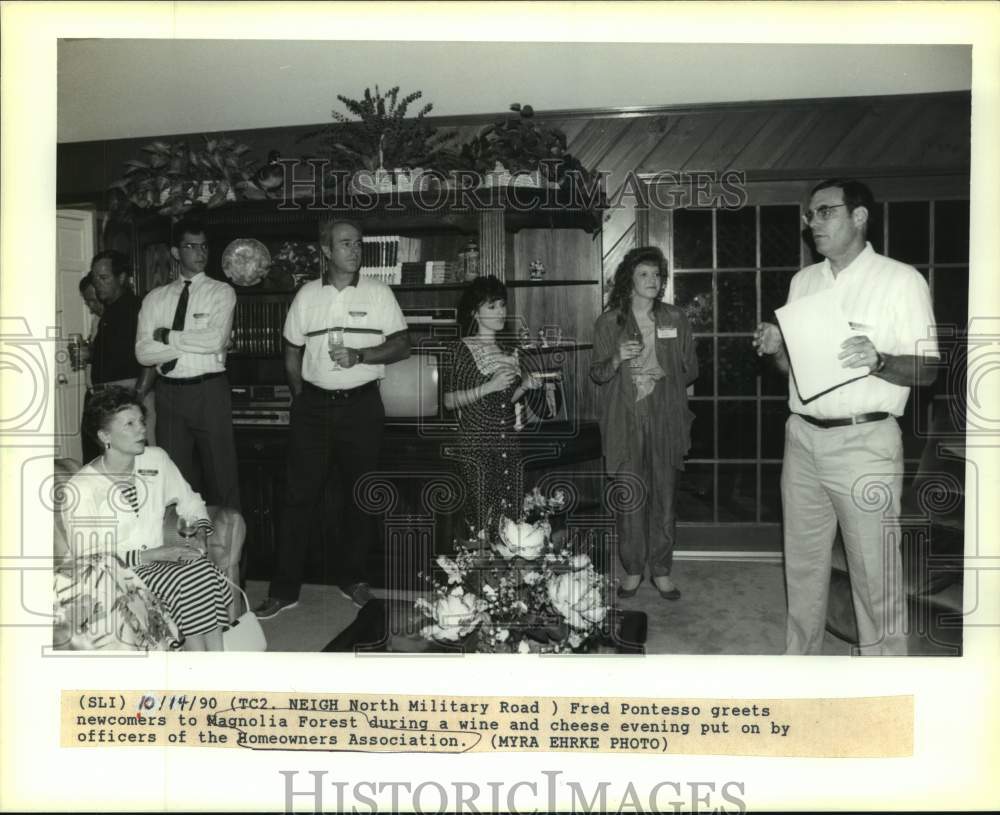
x=118, y=504
x=485, y=382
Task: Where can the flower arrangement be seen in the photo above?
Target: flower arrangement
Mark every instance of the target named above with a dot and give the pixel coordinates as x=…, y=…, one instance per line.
x=698, y=310
x=297, y=260
x=516, y=589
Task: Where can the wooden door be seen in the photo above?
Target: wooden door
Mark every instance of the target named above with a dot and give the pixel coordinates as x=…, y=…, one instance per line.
x=74, y=250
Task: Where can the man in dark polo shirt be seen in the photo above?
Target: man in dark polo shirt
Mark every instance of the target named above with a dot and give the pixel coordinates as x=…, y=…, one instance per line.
x=112, y=350
x=340, y=332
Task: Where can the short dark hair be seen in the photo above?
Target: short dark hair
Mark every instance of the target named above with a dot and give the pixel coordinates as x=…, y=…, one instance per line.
x=326, y=228
x=186, y=226
x=620, y=298
x=87, y=280
x=119, y=263
x=486, y=289
x=103, y=406
x=856, y=193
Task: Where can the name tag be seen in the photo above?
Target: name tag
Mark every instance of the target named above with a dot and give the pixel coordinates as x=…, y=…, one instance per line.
x=358, y=314
x=200, y=315
x=666, y=333
x=148, y=472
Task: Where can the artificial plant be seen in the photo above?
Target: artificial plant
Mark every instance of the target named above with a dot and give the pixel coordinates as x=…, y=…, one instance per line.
x=175, y=177
x=521, y=144
x=382, y=137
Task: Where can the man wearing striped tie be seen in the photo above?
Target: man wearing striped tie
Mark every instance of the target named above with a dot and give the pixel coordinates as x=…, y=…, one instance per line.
x=184, y=328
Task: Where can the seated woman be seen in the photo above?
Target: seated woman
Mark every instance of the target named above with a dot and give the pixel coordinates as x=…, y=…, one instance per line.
x=122, y=496
x=484, y=383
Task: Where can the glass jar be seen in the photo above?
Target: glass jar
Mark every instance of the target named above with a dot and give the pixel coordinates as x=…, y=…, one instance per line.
x=470, y=258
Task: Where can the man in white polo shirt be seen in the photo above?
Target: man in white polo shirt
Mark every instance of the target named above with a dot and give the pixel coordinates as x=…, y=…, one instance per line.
x=340, y=332
x=843, y=449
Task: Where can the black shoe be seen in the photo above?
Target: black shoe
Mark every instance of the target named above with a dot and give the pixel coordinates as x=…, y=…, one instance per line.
x=624, y=593
x=272, y=607
x=673, y=593
x=357, y=593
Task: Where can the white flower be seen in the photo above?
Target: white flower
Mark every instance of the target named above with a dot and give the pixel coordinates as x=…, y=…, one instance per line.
x=574, y=639
x=489, y=591
x=450, y=568
x=532, y=577
x=577, y=597
x=455, y=615
x=523, y=648
x=502, y=635
x=521, y=539
x=580, y=561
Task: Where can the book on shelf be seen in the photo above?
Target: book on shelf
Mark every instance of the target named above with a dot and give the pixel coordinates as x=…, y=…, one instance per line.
x=426, y=316
x=257, y=327
x=383, y=257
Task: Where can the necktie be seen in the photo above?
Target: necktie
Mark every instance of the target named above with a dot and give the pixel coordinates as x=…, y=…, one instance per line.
x=178, y=324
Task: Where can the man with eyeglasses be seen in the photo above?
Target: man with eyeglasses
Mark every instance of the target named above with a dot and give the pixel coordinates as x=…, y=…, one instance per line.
x=843, y=460
x=184, y=329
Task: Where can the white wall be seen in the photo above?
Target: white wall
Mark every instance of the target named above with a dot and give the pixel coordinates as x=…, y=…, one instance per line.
x=132, y=88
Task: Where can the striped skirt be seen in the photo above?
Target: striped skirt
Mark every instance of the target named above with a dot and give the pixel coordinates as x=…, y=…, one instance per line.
x=195, y=593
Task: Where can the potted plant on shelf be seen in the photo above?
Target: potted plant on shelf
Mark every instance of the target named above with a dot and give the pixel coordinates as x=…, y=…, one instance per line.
x=520, y=150
x=382, y=147
x=173, y=177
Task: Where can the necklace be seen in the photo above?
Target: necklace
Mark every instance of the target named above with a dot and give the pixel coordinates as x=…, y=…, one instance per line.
x=107, y=472
x=126, y=485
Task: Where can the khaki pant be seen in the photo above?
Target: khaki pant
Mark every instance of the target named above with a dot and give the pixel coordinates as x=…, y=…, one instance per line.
x=851, y=476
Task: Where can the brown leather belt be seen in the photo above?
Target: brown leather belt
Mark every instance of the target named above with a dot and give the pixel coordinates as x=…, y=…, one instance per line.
x=348, y=393
x=863, y=418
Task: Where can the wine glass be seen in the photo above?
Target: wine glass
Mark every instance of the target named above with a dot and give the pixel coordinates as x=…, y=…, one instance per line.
x=75, y=348
x=188, y=530
x=636, y=362
x=335, y=340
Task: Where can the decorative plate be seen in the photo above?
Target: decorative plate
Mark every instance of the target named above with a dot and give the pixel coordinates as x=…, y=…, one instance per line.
x=246, y=261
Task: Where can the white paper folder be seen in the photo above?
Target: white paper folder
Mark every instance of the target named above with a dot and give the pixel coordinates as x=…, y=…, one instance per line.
x=814, y=327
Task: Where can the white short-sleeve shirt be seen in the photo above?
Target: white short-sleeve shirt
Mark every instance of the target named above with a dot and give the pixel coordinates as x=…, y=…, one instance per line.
x=366, y=312
x=885, y=300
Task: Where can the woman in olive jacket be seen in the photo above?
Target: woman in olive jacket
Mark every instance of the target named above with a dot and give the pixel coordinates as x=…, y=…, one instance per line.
x=643, y=361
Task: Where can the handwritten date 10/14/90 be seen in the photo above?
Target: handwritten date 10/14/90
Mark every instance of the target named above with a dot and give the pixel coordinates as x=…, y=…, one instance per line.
x=176, y=702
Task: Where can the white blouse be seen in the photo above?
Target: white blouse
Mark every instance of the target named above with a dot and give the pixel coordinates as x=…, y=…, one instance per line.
x=98, y=516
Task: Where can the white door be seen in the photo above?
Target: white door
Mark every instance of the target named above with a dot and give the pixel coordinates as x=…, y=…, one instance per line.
x=74, y=250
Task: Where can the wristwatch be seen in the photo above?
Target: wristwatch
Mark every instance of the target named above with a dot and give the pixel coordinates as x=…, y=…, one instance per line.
x=879, y=363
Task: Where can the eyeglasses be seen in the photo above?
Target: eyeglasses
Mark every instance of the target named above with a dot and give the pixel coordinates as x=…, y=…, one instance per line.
x=823, y=213
x=195, y=247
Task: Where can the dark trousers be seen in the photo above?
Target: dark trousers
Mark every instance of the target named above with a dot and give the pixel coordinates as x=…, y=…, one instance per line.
x=328, y=435
x=647, y=530
x=199, y=417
